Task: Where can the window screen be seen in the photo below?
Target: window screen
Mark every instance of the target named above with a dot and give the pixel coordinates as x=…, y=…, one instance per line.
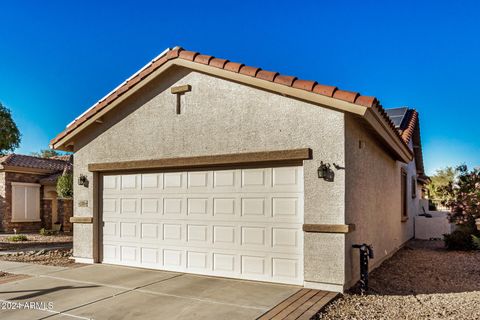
x=25, y=202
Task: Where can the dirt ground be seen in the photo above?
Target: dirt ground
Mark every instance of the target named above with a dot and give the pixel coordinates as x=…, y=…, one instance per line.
x=421, y=281
x=34, y=240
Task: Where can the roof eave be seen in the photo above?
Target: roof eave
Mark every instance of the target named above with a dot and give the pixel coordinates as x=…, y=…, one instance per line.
x=400, y=149
x=31, y=170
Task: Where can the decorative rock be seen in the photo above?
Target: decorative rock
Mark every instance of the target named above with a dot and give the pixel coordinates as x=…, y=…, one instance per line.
x=41, y=252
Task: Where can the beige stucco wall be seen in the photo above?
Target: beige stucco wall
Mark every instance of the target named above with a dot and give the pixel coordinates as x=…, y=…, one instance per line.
x=373, y=198
x=219, y=117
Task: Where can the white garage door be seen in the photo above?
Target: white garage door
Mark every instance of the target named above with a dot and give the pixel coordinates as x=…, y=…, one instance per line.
x=244, y=223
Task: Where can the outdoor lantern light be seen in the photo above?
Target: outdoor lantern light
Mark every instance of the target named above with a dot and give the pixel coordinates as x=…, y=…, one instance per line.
x=322, y=170
x=82, y=180
x=325, y=173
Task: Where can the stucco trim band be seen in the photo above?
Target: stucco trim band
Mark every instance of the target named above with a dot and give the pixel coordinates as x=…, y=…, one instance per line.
x=221, y=160
x=81, y=219
x=329, y=228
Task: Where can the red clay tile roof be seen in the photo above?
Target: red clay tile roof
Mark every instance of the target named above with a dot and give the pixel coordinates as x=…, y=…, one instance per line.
x=409, y=129
x=67, y=157
x=180, y=53
x=18, y=160
x=408, y=125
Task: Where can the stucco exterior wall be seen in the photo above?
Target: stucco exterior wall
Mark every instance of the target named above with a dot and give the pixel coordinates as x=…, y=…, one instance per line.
x=219, y=117
x=373, y=198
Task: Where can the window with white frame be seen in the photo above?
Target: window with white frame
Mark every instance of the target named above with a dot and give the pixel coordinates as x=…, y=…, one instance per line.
x=25, y=202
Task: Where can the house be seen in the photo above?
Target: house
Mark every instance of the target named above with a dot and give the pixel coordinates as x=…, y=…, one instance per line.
x=202, y=165
x=28, y=197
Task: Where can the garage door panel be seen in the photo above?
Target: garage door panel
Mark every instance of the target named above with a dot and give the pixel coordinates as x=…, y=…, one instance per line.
x=285, y=207
x=277, y=238
x=198, y=206
x=198, y=180
x=174, y=206
x=242, y=223
x=128, y=254
x=151, y=206
x=129, y=182
x=224, y=235
x=128, y=229
x=152, y=182
x=149, y=257
x=110, y=253
x=197, y=260
x=174, y=180
x=253, y=236
x=129, y=206
x=172, y=232
x=226, y=207
x=226, y=180
x=198, y=233
x=110, y=206
x=173, y=259
x=241, y=264
x=149, y=231
x=224, y=263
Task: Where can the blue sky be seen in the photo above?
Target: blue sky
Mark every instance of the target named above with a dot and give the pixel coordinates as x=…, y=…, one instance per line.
x=57, y=58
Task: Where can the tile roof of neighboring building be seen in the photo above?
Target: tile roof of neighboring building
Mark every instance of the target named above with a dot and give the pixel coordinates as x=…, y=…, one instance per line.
x=180, y=53
x=409, y=124
x=405, y=121
x=66, y=157
x=18, y=160
x=52, y=179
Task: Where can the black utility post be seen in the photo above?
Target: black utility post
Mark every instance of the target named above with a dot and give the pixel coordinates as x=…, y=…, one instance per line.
x=366, y=252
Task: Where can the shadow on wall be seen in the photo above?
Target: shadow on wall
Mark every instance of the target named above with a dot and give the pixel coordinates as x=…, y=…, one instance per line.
x=426, y=267
x=135, y=101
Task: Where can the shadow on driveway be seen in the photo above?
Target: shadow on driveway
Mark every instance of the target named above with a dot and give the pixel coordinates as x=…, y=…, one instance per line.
x=41, y=292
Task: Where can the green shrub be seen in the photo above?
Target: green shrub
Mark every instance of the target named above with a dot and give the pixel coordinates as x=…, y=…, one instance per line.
x=45, y=232
x=18, y=238
x=476, y=242
x=65, y=186
x=460, y=239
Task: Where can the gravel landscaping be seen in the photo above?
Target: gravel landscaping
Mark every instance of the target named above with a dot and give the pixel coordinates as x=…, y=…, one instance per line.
x=421, y=281
x=59, y=258
x=33, y=240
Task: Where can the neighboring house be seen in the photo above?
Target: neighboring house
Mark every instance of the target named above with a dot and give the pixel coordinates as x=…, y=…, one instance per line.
x=28, y=197
x=197, y=164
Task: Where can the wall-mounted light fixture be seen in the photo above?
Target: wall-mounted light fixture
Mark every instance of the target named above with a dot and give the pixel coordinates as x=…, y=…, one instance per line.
x=325, y=172
x=82, y=180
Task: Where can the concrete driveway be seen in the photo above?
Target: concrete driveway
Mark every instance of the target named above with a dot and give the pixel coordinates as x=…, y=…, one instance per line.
x=114, y=292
